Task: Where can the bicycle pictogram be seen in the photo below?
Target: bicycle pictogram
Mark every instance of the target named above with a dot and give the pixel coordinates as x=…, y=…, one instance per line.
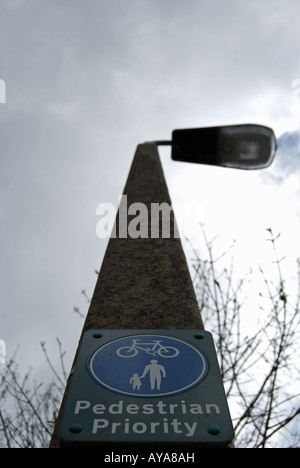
x=155, y=348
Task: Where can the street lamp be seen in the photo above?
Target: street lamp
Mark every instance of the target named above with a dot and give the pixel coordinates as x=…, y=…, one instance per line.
x=248, y=146
x=144, y=306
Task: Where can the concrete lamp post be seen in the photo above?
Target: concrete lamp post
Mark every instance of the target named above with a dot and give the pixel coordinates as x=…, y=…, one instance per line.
x=145, y=374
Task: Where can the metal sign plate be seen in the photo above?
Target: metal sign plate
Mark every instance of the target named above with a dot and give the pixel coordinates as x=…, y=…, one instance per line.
x=146, y=387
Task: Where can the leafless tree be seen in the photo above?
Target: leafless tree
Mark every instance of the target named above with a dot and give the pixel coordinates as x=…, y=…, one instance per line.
x=28, y=409
x=259, y=370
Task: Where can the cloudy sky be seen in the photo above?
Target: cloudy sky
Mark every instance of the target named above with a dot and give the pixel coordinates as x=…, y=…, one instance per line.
x=86, y=81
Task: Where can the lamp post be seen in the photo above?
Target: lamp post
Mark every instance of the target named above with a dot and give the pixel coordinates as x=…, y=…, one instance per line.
x=144, y=356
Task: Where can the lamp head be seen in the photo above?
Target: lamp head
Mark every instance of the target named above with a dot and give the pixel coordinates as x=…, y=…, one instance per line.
x=247, y=146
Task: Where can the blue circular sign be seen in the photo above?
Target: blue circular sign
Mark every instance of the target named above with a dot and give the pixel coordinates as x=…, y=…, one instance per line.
x=148, y=365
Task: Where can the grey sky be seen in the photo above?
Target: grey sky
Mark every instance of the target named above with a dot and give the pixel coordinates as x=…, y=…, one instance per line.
x=89, y=80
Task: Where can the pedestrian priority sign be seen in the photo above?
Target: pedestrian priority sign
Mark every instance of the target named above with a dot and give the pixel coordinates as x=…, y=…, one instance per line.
x=146, y=387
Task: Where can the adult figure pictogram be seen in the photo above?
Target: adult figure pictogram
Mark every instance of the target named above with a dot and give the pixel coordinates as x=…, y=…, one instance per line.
x=156, y=371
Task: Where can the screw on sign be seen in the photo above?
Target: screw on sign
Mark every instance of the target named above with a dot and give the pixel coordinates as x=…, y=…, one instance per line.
x=144, y=387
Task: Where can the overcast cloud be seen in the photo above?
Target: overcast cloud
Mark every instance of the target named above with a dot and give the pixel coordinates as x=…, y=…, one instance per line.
x=86, y=81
